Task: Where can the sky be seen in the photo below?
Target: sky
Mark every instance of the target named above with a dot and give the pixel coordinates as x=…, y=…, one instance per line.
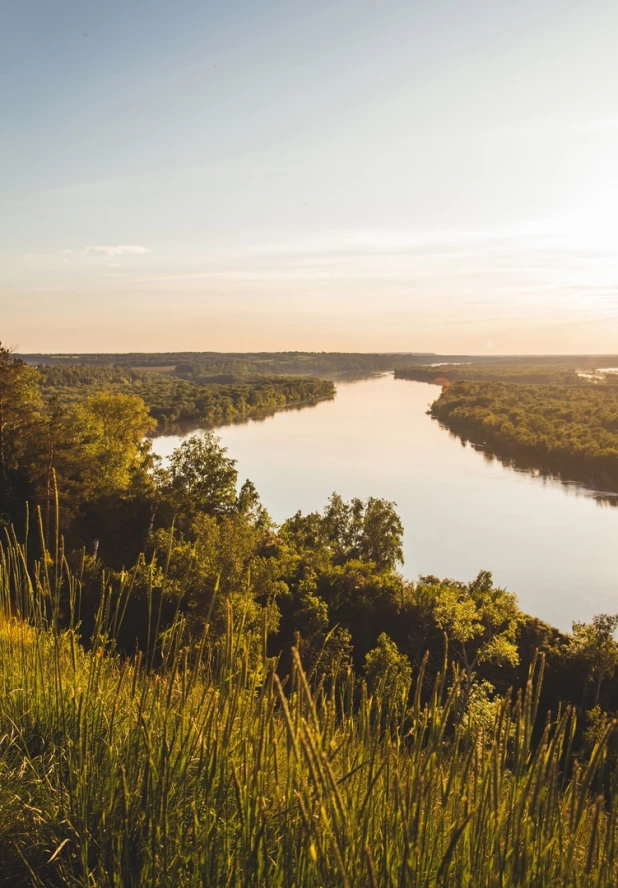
x=352, y=175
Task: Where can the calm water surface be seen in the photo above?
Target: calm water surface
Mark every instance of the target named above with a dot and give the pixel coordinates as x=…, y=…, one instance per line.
x=554, y=545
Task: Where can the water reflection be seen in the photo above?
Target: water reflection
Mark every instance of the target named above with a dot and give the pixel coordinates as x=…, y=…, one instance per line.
x=462, y=510
x=585, y=486
x=180, y=430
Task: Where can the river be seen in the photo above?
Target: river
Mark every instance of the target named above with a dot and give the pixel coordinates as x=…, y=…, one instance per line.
x=554, y=545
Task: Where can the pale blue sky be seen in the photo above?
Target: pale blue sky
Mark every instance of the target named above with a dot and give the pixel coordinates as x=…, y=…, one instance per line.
x=349, y=175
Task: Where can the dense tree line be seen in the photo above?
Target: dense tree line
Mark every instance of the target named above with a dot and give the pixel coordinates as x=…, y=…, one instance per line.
x=207, y=366
x=539, y=374
x=233, y=366
x=172, y=400
x=571, y=430
x=329, y=365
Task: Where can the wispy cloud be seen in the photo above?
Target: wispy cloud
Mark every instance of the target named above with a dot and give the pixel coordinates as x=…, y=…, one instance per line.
x=116, y=250
x=519, y=271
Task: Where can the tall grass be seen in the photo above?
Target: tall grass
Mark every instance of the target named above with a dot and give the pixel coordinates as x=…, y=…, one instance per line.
x=206, y=771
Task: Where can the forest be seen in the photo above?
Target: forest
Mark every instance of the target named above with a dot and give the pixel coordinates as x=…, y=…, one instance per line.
x=205, y=367
x=173, y=400
x=538, y=374
x=572, y=430
x=191, y=694
x=232, y=367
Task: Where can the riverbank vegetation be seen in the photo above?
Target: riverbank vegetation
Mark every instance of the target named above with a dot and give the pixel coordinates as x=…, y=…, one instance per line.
x=211, y=366
x=208, y=367
x=536, y=374
x=174, y=400
x=193, y=695
x=572, y=430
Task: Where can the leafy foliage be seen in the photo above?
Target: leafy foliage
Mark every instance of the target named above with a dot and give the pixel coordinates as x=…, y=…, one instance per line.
x=236, y=366
x=568, y=429
x=368, y=531
x=594, y=643
x=531, y=373
x=200, y=478
x=172, y=400
x=19, y=401
x=387, y=670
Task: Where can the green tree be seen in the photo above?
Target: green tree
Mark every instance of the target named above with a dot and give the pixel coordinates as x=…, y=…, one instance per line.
x=248, y=504
x=479, y=619
x=363, y=600
x=202, y=478
x=221, y=563
x=368, y=531
x=388, y=671
x=112, y=429
x=19, y=402
x=305, y=534
x=595, y=645
x=52, y=436
x=97, y=452
x=381, y=538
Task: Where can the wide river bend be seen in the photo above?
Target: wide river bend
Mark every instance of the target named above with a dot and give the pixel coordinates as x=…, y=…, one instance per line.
x=554, y=545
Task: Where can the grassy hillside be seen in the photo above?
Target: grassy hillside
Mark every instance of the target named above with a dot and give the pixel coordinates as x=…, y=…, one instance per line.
x=157, y=726
x=203, y=769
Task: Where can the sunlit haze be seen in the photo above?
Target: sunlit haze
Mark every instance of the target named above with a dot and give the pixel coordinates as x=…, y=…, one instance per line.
x=333, y=175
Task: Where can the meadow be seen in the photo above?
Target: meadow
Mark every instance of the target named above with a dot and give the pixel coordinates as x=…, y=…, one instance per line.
x=195, y=764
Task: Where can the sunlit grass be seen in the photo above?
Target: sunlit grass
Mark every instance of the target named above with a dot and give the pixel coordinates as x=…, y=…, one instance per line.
x=207, y=771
